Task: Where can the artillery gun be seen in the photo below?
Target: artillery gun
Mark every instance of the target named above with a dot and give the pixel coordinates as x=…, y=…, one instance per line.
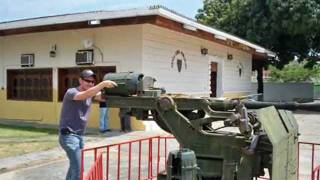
x=265, y=139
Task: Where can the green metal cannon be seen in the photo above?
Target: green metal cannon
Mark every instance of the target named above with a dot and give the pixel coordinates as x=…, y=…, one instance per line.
x=246, y=144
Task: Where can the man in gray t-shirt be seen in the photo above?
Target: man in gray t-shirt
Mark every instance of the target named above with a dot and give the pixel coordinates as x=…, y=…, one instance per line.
x=74, y=118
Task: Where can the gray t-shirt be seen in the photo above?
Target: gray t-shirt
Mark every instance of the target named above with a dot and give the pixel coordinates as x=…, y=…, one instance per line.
x=74, y=113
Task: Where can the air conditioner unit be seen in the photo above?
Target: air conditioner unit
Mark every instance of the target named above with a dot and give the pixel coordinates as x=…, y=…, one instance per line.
x=84, y=57
x=27, y=60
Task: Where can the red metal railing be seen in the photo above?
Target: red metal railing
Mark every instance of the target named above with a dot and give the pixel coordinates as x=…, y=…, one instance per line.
x=316, y=173
x=150, y=154
x=96, y=172
x=311, y=161
x=145, y=158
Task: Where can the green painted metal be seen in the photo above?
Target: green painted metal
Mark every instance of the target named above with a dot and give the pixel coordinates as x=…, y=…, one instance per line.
x=187, y=169
x=282, y=131
x=248, y=143
x=221, y=154
x=293, y=134
x=128, y=83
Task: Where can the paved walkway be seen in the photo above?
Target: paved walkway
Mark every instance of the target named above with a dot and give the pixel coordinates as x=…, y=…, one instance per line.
x=53, y=164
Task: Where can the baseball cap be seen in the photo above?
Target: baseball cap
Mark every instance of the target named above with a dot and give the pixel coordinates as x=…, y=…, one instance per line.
x=87, y=73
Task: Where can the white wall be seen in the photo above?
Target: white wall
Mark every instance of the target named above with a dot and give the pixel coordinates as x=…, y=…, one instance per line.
x=121, y=47
x=159, y=46
x=1, y=63
x=231, y=81
x=140, y=48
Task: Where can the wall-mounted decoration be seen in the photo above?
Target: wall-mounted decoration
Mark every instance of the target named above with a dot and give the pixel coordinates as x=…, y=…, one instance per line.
x=53, y=51
x=88, y=43
x=240, y=67
x=229, y=56
x=179, y=57
x=204, y=51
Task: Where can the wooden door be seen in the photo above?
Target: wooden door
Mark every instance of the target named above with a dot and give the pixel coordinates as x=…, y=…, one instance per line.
x=213, y=79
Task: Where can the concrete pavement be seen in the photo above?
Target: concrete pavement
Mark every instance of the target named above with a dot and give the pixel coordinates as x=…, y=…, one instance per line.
x=53, y=164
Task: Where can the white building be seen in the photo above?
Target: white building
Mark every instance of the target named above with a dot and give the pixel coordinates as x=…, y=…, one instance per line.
x=183, y=55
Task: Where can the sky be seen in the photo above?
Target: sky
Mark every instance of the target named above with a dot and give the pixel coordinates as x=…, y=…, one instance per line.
x=22, y=9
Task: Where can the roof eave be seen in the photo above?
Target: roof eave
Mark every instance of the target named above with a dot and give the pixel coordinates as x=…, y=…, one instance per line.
x=80, y=20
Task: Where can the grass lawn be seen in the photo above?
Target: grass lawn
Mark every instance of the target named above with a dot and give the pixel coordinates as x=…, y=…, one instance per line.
x=15, y=140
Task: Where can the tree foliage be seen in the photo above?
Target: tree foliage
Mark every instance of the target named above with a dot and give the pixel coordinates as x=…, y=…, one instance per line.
x=294, y=72
x=288, y=27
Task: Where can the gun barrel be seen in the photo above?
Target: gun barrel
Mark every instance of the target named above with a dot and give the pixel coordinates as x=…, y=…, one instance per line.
x=314, y=106
x=226, y=105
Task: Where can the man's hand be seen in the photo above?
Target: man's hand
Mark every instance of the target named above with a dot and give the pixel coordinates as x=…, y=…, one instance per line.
x=105, y=84
x=95, y=90
x=109, y=84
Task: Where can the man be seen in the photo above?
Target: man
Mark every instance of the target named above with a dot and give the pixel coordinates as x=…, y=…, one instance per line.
x=74, y=117
x=104, y=117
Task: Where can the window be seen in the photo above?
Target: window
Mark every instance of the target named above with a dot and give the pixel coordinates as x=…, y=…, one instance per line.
x=29, y=84
x=69, y=77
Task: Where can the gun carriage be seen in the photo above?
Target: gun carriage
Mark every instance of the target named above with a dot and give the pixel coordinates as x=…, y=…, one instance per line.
x=248, y=143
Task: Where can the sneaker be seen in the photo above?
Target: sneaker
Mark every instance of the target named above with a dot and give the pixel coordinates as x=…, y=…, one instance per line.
x=101, y=131
x=104, y=131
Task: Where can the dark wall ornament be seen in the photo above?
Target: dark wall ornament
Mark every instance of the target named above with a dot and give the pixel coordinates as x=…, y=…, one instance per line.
x=240, y=67
x=179, y=57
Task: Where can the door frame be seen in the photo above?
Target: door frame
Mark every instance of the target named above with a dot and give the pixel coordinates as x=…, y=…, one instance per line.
x=220, y=67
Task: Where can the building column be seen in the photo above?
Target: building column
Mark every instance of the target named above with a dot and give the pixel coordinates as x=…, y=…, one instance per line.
x=258, y=65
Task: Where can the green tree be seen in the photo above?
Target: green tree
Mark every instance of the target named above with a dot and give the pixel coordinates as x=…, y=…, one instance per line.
x=294, y=72
x=288, y=27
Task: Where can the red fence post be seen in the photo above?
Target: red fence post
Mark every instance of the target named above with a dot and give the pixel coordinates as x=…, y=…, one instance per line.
x=158, y=157
x=139, y=166
x=107, y=163
x=298, y=161
x=165, y=151
x=150, y=159
x=100, y=167
x=82, y=165
x=119, y=148
x=129, y=162
x=312, y=165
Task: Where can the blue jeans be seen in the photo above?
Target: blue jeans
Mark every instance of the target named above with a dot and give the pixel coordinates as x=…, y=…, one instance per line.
x=72, y=145
x=104, y=118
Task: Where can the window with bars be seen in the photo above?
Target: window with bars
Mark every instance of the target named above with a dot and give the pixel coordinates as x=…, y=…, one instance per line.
x=69, y=77
x=29, y=84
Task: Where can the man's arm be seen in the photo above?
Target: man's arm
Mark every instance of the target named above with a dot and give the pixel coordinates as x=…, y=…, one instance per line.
x=94, y=90
x=99, y=98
